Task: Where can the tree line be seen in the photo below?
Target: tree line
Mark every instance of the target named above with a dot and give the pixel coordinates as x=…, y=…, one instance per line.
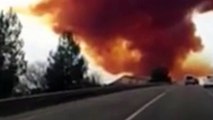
x=66, y=68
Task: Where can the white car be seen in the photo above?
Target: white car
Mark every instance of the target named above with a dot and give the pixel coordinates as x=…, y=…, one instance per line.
x=208, y=81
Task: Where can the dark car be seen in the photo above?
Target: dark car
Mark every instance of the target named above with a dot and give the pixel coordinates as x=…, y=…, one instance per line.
x=191, y=80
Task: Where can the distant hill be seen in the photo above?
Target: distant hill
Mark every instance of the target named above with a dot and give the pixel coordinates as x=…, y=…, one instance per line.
x=130, y=80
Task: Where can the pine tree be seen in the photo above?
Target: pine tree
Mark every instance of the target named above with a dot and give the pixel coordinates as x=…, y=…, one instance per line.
x=66, y=66
x=12, y=63
x=160, y=74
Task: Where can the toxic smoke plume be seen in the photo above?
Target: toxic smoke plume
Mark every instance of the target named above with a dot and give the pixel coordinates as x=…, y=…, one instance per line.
x=130, y=35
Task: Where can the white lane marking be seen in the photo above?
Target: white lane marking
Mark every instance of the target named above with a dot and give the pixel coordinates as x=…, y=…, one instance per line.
x=209, y=93
x=131, y=117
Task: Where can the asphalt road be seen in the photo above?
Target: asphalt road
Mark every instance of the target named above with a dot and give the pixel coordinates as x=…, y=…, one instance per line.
x=156, y=103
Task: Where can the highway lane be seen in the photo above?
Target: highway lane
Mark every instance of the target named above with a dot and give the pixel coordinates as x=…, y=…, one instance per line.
x=183, y=103
x=117, y=106
x=155, y=103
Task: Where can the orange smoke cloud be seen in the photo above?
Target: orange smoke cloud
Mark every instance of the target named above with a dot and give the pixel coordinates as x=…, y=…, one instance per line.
x=131, y=35
x=124, y=57
x=195, y=64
